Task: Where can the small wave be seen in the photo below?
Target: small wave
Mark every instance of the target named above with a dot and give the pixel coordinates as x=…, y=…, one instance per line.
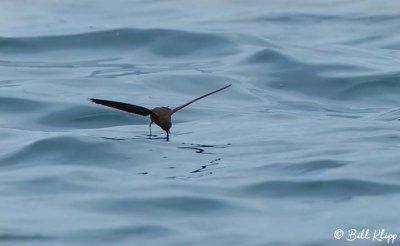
x=161, y=42
x=272, y=57
x=309, y=18
x=390, y=115
x=306, y=167
x=291, y=74
x=9, y=238
x=19, y=105
x=64, y=150
x=51, y=185
x=384, y=87
x=340, y=188
x=112, y=234
x=162, y=205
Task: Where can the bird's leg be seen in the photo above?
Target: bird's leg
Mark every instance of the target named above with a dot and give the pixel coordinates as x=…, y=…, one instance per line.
x=151, y=122
x=167, y=138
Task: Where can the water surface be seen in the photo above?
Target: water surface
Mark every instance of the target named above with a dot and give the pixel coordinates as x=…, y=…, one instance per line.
x=305, y=141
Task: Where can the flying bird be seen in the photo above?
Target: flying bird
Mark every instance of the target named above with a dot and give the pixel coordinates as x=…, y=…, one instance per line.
x=161, y=116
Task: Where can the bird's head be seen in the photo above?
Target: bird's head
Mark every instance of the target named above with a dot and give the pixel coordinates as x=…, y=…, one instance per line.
x=166, y=126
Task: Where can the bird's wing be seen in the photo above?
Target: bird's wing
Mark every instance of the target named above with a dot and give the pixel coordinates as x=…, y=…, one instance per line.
x=125, y=107
x=185, y=104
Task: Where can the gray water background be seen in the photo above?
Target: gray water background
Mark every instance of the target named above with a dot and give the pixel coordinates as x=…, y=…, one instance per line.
x=305, y=141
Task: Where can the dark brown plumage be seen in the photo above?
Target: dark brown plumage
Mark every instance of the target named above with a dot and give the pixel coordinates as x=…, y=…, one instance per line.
x=161, y=116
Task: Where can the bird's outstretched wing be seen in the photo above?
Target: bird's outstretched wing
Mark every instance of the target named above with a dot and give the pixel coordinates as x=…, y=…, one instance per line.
x=206, y=95
x=125, y=107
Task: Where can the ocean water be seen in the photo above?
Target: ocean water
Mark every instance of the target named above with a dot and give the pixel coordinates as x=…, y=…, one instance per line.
x=305, y=142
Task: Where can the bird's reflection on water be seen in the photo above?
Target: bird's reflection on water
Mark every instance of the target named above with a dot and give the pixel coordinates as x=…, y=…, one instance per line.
x=207, y=149
x=203, y=148
x=147, y=137
x=205, y=169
